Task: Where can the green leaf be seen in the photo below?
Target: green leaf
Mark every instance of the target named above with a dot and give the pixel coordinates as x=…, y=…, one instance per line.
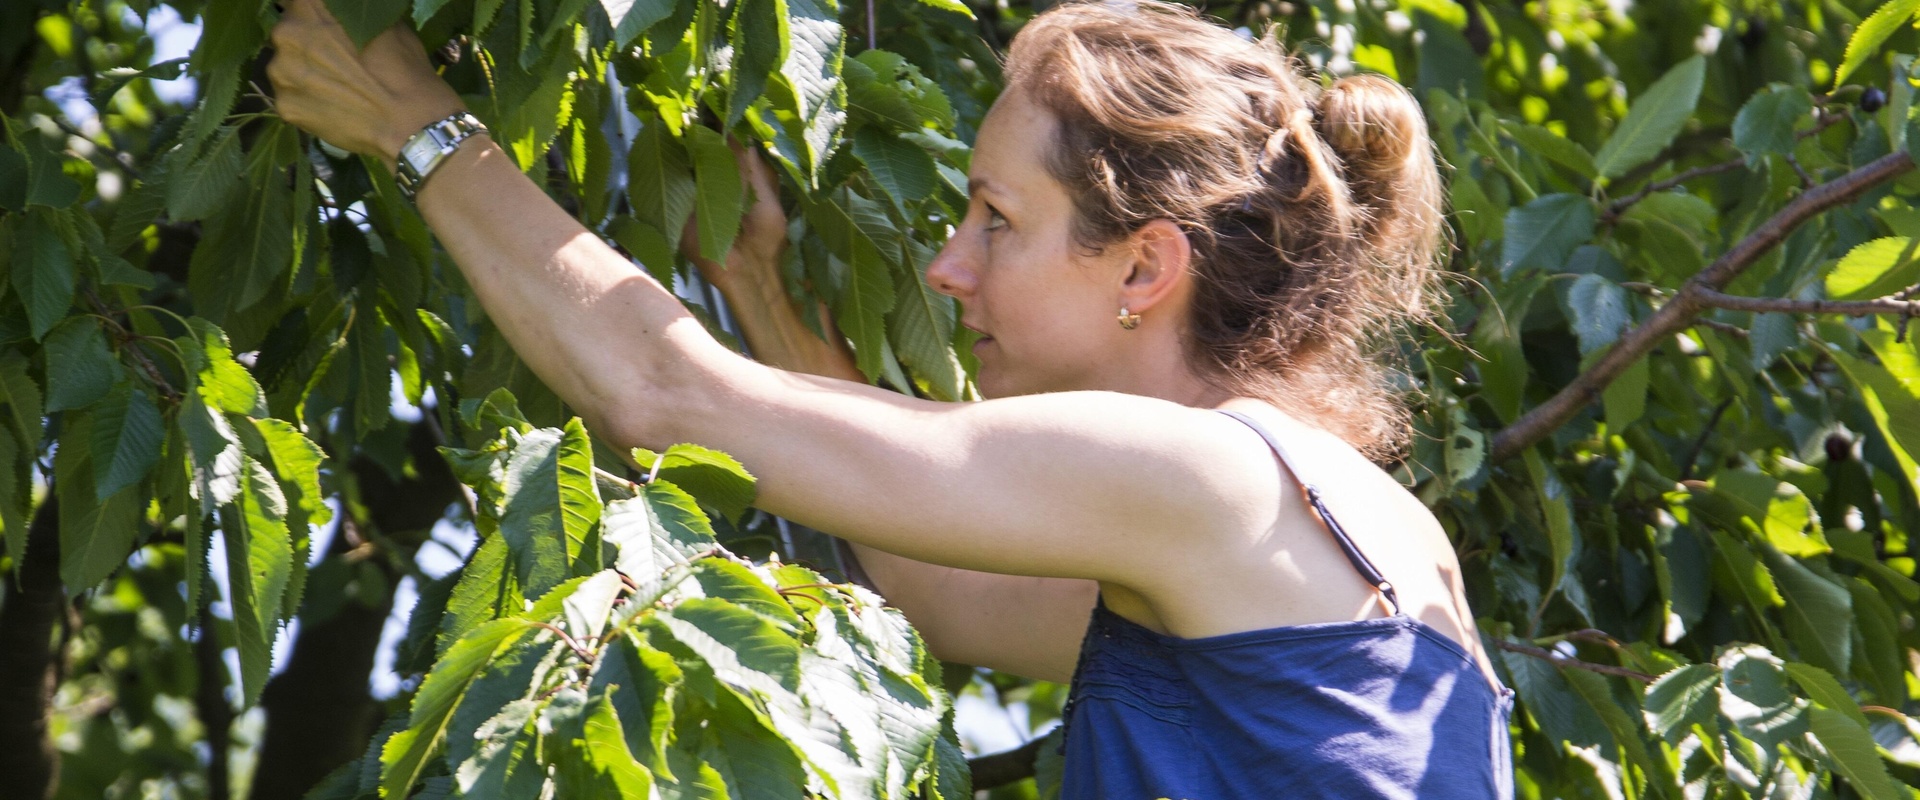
x=904, y=169
x=1543, y=233
x=552, y=507
x=1754, y=696
x=868, y=293
x=660, y=180
x=607, y=752
x=744, y=649
x=652, y=533
x=758, y=33
x=1819, y=614
x=720, y=199
x=586, y=609
x=1852, y=753
x=883, y=88
x=95, y=536
x=1873, y=32
x=80, y=367
x=226, y=384
x=1653, y=119
x=1820, y=685
x=1875, y=269
x=504, y=765
x=710, y=476
x=22, y=397
x=365, y=19
x=1683, y=698
x=1551, y=146
x=1625, y=399
x=1599, y=311
x=813, y=95
x=216, y=455
x=1894, y=406
x=921, y=328
x=198, y=184
x=954, y=6
x=486, y=590
x=47, y=183
x=729, y=581
x=43, y=270
x=16, y=495
x=1766, y=123
x=127, y=431
x=260, y=566
x=633, y=17
x=296, y=463
x=405, y=754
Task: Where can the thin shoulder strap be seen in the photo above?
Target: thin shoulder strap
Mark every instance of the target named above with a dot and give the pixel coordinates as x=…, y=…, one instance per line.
x=1357, y=558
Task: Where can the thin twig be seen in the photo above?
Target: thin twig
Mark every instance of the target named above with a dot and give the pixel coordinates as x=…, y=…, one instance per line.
x=999, y=769
x=1852, y=308
x=1686, y=305
x=1562, y=661
x=1700, y=442
x=1620, y=206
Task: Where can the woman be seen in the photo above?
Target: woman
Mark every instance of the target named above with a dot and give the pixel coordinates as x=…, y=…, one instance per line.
x=1166, y=222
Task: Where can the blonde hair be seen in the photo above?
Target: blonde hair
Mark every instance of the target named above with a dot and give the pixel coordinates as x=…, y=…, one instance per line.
x=1314, y=213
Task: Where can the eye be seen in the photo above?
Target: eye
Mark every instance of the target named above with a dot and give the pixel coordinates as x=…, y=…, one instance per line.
x=995, y=220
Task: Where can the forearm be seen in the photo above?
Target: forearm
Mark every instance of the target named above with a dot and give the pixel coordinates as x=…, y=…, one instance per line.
x=779, y=337
x=597, y=330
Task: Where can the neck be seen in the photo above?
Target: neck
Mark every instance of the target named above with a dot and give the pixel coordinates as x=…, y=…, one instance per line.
x=1161, y=368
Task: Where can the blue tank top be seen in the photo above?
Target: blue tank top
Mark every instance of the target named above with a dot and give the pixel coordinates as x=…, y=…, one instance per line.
x=1386, y=708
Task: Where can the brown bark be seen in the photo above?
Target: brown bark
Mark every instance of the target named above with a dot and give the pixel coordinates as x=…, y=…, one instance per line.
x=30, y=662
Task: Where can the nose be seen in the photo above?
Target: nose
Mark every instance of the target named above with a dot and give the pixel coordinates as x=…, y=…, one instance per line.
x=953, y=271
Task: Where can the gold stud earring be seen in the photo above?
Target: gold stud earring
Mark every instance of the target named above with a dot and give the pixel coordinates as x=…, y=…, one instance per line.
x=1128, y=321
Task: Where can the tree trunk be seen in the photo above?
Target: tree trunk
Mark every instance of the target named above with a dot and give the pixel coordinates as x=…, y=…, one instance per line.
x=30, y=662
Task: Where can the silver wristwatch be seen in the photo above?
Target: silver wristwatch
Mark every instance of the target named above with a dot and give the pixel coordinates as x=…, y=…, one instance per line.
x=425, y=150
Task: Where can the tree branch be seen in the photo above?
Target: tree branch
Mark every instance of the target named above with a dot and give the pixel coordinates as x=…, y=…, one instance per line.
x=30, y=661
x=1562, y=661
x=1687, y=303
x=1000, y=769
x=1851, y=308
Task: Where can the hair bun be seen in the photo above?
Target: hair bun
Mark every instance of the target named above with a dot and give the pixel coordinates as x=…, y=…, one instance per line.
x=1374, y=125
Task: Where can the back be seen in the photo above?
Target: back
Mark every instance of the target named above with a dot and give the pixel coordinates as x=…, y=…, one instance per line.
x=1380, y=708
x=1376, y=708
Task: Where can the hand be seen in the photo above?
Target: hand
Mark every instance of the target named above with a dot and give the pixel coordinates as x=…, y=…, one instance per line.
x=366, y=101
x=753, y=263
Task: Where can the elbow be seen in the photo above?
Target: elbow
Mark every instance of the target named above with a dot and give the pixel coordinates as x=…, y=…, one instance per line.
x=671, y=394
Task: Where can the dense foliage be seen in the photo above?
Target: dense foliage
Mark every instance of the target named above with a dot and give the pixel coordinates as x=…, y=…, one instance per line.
x=1673, y=424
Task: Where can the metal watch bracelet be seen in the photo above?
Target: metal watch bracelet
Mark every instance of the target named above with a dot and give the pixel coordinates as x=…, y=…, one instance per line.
x=426, y=150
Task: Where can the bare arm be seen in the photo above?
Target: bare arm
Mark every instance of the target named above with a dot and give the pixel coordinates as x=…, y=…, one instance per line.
x=1024, y=625
x=1085, y=485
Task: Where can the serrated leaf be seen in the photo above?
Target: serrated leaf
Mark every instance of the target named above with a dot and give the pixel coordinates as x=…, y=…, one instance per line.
x=1683, y=698
x=1875, y=269
x=743, y=648
x=1851, y=751
x=365, y=19
x=1654, y=118
x=43, y=270
x=660, y=184
x=719, y=200
x=127, y=432
x=1551, y=146
x=95, y=536
x=1544, y=233
x=1873, y=32
x=921, y=328
x=904, y=169
x=552, y=507
x=1767, y=121
x=215, y=454
x=296, y=463
x=759, y=35
x=633, y=17
x=1599, y=310
x=1820, y=685
x=1819, y=614
x=811, y=76
x=868, y=292
x=710, y=476
x=226, y=384
x=405, y=754
x=587, y=607
x=607, y=752
x=260, y=566
x=199, y=184
x=81, y=368
x=486, y=590
x=22, y=398
x=1754, y=696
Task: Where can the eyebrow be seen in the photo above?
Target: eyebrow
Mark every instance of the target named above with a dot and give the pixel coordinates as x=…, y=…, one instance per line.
x=975, y=184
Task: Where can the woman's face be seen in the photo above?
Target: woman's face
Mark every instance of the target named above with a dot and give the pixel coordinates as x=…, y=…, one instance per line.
x=1044, y=306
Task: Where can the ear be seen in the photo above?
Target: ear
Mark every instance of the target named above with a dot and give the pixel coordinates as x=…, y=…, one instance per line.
x=1158, y=268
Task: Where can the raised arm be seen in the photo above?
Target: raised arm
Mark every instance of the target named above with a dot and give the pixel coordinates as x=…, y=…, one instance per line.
x=1089, y=485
